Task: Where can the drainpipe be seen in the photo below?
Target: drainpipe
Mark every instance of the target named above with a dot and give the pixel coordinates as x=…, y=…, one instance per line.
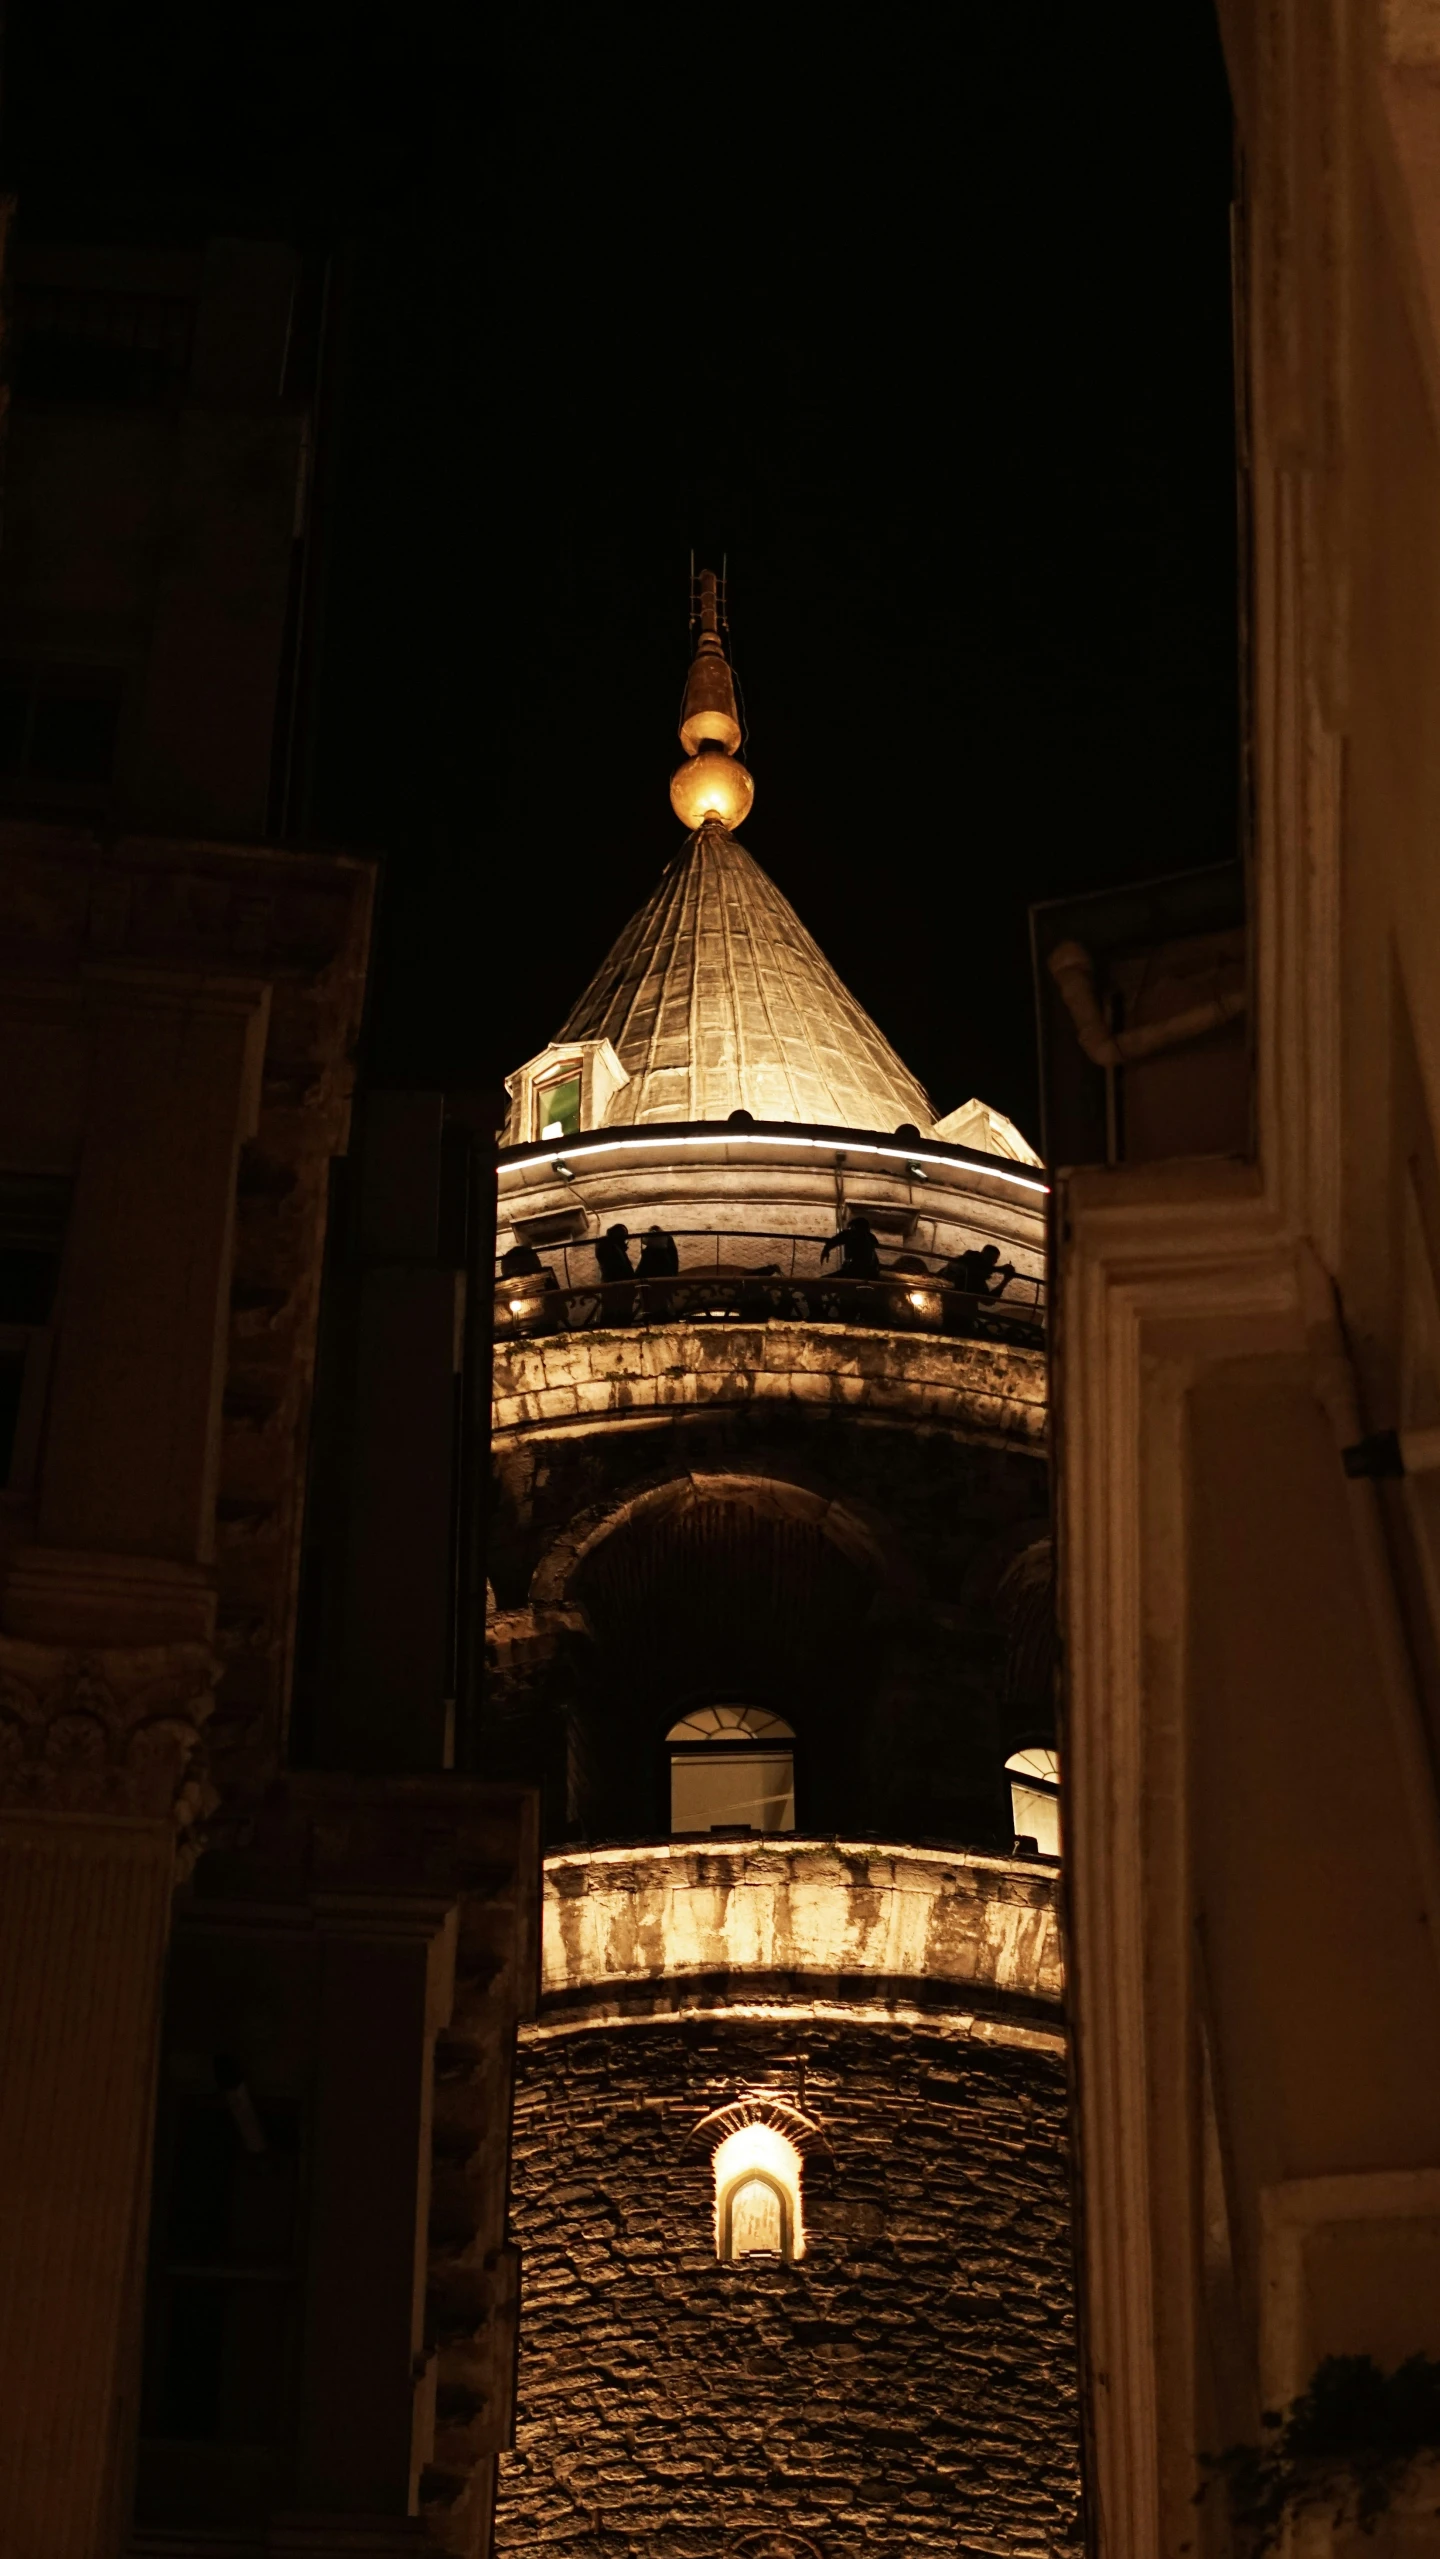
x=1073, y=970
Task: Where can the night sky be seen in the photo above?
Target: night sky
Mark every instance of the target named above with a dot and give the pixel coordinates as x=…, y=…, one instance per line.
x=920, y=316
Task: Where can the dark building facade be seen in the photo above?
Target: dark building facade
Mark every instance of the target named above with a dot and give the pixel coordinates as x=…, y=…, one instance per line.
x=259, y=1970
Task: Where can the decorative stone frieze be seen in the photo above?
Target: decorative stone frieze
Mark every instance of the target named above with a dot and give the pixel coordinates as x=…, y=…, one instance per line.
x=79, y=918
x=115, y=1730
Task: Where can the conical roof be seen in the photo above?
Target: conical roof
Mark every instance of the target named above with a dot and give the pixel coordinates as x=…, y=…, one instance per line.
x=716, y=999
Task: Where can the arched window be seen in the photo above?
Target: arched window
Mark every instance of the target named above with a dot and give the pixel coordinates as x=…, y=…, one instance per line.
x=757, y=2196
x=1034, y=1776
x=732, y=1768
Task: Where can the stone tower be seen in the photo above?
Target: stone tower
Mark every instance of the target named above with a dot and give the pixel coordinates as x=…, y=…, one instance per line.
x=770, y=1629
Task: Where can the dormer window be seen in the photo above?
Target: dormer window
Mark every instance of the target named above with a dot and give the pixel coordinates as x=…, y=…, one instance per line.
x=563, y=1092
x=557, y=1106
x=732, y=1768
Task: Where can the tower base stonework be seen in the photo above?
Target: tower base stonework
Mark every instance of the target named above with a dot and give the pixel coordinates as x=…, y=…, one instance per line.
x=910, y=2376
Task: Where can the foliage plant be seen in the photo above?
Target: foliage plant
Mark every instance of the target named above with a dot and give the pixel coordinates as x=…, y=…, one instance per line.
x=1344, y=2446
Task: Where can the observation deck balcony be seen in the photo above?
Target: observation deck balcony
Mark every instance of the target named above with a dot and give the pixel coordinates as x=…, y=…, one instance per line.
x=750, y=1275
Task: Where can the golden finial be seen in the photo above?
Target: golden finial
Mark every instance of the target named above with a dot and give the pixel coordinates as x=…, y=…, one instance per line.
x=710, y=783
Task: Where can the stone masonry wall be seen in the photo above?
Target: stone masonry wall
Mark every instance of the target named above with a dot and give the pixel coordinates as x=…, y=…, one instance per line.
x=988, y=1389
x=908, y=2387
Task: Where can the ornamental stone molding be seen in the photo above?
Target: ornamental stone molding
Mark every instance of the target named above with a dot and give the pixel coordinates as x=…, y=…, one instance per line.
x=111, y=1731
x=85, y=919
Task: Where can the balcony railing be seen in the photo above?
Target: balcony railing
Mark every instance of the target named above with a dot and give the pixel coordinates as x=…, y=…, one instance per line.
x=738, y=1276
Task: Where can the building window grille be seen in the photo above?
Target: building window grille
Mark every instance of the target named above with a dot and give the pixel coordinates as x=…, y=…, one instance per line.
x=557, y=1107
x=757, y=2197
x=1034, y=1776
x=732, y=1769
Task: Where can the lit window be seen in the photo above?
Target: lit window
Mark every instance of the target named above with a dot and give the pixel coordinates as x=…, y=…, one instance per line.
x=732, y=1768
x=757, y=2196
x=557, y=1107
x=1035, y=1797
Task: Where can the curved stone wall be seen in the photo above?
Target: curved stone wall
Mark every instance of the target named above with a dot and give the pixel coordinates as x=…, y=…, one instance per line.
x=798, y=1910
x=907, y=2388
x=989, y=1390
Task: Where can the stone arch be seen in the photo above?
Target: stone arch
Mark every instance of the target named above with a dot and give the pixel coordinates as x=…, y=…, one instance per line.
x=757, y=2106
x=860, y=1535
x=759, y=2139
x=739, y=1586
x=1025, y=1603
x=999, y=1568
x=729, y=1589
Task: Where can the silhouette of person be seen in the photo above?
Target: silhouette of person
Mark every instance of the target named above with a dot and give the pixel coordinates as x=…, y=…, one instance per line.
x=659, y=1255
x=612, y=1252
x=858, y=1250
x=973, y=1272
x=521, y=1262
x=520, y=1265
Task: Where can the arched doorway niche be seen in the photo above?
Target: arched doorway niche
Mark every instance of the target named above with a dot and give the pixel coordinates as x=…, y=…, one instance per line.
x=733, y=1589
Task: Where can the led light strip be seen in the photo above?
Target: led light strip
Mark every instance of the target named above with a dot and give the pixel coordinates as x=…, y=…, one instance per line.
x=743, y=1137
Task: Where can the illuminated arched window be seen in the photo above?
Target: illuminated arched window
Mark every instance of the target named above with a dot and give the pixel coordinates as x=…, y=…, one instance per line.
x=757, y=2196
x=1034, y=1776
x=732, y=1768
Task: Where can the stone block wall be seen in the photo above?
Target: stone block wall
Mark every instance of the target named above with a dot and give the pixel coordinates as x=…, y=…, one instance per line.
x=990, y=1390
x=908, y=2387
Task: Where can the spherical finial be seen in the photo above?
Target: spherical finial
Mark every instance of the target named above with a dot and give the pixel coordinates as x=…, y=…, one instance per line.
x=711, y=784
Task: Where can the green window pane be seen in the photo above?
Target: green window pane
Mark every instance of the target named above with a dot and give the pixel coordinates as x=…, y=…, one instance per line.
x=558, y=1107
